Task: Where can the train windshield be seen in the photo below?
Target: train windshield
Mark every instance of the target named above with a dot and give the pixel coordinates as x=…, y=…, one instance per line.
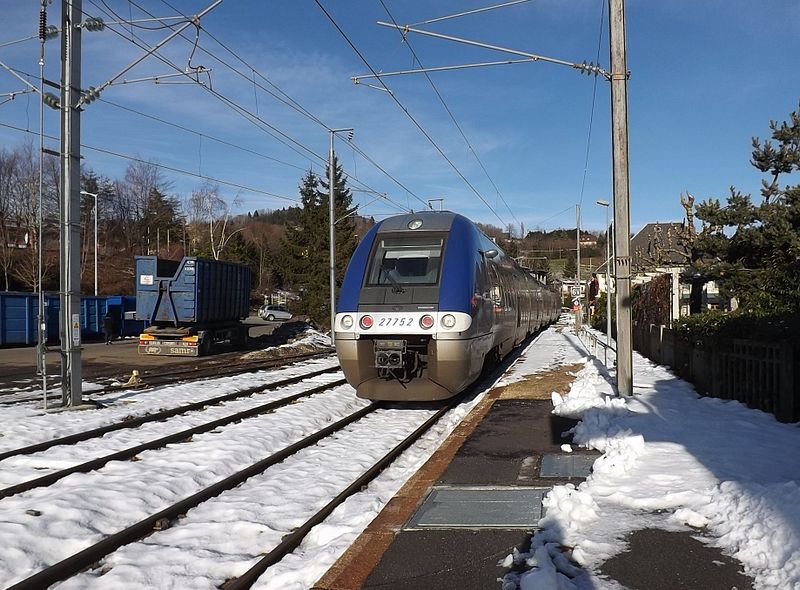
x=406, y=261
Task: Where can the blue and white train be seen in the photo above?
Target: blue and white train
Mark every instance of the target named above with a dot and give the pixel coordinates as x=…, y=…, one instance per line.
x=426, y=301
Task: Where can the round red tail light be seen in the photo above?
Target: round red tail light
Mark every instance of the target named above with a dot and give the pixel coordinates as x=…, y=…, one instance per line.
x=426, y=322
x=366, y=322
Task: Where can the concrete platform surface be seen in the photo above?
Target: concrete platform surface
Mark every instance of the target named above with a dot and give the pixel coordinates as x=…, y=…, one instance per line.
x=502, y=443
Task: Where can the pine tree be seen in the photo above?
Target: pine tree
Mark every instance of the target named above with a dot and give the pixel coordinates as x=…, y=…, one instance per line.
x=305, y=258
x=752, y=249
x=346, y=239
x=302, y=258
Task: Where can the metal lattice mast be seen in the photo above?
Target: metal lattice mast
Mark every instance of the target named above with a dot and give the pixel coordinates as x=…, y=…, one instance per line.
x=70, y=286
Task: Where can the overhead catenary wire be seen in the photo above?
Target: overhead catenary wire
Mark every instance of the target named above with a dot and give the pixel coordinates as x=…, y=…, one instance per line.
x=407, y=112
x=469, y=12
x=450, y=112
x=594, y=99
x=286, y=99
x=200, y=134
x=162, y=166
x=271, y=129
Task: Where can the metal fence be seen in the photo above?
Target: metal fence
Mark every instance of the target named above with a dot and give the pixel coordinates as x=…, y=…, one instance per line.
x=763, y=375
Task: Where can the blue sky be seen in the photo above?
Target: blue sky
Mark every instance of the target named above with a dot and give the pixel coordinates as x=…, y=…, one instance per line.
x=705, y=78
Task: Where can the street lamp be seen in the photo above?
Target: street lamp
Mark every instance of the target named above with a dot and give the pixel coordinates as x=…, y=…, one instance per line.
x=87, y=193
x=332, y=222
x=605, y=205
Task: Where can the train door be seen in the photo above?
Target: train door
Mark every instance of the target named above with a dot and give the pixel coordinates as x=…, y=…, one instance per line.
x=482, y=302
x=496, y=299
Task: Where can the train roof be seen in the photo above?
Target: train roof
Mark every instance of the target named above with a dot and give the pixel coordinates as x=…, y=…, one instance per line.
x=431, y=221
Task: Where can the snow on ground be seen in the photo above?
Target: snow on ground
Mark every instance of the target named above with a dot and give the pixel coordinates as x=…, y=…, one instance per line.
x=44, y=525
x=22, y=425
x=671, y=460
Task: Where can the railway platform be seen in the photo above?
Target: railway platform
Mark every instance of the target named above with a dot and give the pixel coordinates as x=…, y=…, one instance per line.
x=474, y=506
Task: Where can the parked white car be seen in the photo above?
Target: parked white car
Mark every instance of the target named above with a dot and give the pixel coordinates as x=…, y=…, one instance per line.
x=271, y=313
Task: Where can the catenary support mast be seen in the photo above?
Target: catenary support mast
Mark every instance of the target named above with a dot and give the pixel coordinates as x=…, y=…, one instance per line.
x=69, y=252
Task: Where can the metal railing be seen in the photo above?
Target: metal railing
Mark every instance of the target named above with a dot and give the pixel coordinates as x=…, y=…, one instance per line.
x=591, y=339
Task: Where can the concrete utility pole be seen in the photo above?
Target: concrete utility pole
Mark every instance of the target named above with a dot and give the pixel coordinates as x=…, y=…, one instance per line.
x=578, y=272
x=70, y=214
x=332, y=224
x=622, y=222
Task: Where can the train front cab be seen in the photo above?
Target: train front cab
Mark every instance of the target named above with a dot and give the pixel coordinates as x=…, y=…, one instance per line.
x=427, y=326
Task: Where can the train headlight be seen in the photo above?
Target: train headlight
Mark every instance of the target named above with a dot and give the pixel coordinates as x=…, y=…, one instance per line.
x=347, y=322
x=426, y=322
x=415, y=224
x=366, y=322
x=448, y=320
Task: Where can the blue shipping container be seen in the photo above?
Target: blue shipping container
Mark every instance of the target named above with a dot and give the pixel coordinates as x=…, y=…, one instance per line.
x=191, y=291
x=19, y=311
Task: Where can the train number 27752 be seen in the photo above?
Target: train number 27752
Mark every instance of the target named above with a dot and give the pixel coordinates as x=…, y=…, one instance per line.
x=395, y=321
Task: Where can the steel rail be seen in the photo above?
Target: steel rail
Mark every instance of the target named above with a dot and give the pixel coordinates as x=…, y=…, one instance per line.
x=217, y=369
x=85, y=558
x=291, y=541
x=157, y=416
x=183, y=435
x=193, y=373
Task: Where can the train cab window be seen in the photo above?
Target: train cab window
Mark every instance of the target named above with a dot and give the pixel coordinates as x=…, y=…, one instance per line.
x=406, y=261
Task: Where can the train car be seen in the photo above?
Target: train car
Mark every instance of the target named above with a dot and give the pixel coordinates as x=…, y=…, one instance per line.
x=426, y=301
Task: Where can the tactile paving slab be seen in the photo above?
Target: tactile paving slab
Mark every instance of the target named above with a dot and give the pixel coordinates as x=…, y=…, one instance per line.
x=480, y=507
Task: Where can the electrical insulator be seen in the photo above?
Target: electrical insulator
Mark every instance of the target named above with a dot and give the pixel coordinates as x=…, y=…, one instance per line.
x=51, y=32
x=90, y=94
x=51, y=100
x=42, y=24
x=94, y=23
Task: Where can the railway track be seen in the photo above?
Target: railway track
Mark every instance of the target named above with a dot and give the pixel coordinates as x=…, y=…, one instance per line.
x=159, y=378
x=132, y=421
x=228, y=503
x=330, y=422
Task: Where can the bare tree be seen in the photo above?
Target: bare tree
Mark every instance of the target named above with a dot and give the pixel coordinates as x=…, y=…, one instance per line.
x=209, y=210
x=26, y=215
x=128, y=206
x=8, y=171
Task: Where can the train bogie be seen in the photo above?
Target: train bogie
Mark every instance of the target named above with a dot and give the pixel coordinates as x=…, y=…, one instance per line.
x=426, y=300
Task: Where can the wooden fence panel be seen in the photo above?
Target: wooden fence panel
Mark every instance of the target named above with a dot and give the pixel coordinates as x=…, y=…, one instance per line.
x=762, y=375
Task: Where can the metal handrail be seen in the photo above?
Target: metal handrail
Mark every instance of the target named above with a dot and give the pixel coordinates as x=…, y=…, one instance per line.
x=595, y=342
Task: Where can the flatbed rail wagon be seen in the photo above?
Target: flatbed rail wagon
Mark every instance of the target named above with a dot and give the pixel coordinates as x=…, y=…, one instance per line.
x=190, y=304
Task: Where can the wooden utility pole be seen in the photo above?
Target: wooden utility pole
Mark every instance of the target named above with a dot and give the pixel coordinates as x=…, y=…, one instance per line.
x=622, y=221
x=70, y=210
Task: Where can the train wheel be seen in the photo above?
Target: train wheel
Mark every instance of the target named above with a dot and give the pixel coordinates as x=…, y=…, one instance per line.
x=491, y=360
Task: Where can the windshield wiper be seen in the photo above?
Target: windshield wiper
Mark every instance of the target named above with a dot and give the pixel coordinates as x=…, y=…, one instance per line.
x=396, y=286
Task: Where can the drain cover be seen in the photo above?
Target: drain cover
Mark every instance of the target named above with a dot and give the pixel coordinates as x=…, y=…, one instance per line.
x=486, y=507
x=567, y=465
